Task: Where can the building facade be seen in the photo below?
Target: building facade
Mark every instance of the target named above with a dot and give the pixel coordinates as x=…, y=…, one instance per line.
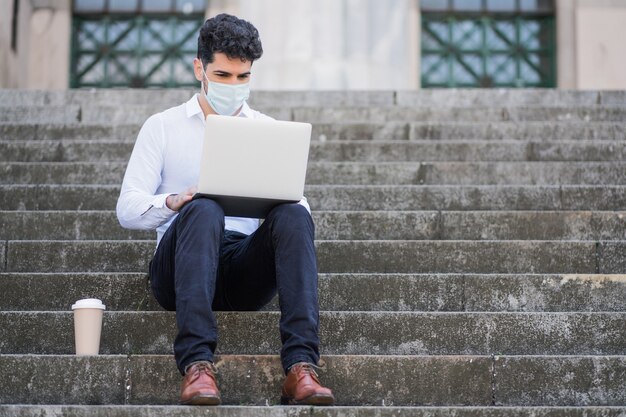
x=320, y=44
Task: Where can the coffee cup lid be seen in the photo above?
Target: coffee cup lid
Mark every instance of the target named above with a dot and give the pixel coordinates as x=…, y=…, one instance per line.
x=88, y=303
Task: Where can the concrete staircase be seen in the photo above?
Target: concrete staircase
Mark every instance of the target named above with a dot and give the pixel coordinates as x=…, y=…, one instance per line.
x=471, y=246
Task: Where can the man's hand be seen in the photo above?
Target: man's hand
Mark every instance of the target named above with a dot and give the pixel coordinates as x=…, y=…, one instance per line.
x=177, y=201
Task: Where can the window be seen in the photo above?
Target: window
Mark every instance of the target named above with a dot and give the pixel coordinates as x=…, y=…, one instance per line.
x=135, y=43
x=488, y=43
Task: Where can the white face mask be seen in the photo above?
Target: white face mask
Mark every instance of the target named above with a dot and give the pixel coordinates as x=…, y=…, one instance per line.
x=225, y=99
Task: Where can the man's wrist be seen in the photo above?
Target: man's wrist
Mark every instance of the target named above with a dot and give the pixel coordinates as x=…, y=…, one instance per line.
x=168, y=200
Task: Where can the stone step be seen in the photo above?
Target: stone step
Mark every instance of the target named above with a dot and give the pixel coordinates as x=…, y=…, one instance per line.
x=343, y=151
x=165, y=98
x=344, y=292
x=453, y=97
x=436, y=114
x=398, y=130
x=341, y=333
x=137, y=114
x=42, y=114
x=362, y=380
x=49, y=410
x=417, y=98
x=358, y=225
x=335, y=256
x=362, y=173
x=355, y=197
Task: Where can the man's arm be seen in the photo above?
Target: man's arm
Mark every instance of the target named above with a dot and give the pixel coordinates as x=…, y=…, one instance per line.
x=137, y=206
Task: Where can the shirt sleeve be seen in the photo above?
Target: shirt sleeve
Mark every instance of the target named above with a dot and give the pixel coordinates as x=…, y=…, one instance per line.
x=137, y=206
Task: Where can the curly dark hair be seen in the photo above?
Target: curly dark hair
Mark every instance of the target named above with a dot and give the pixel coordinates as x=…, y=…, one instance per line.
x=230, y=35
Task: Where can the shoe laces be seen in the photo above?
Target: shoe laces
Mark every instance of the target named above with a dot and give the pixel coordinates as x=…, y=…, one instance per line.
x=202, y=366
x=307, y=367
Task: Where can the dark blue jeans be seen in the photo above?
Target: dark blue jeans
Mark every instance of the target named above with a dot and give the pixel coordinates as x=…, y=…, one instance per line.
x=199, y=267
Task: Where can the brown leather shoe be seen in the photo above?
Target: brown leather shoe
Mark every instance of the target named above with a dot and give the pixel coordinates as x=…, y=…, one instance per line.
x=302, y=387
x=199, y=385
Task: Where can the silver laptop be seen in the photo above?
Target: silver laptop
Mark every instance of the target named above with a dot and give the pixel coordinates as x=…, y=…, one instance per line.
x=249, y=166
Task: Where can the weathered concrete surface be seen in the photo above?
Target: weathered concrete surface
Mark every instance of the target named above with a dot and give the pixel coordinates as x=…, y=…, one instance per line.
x=341, y=333
x=563, y=381
x=457, y=114
x=463, y=150
x=340, y=130
x=357, y=173
x=453, y=256
x=354, y=197
x=3, y=255
x=32, y=379
x=562, y=225
x=568, y=292
x=65, y=151
x=536, y=173
x=62, y=172
x=363, y=380
x=103, y=225
x=466, y=198
x=100, y=113
x=342, y=151
x=294, y=411
x=510, y=130
x=70, y=225
x=279, y=411
x=501, y=96
x=337, y=292
x=68, y=131
x=612, y=257
x=345, y=292
x=334, y=256
x=421, y=98
x=121, y=291
x=40, y=114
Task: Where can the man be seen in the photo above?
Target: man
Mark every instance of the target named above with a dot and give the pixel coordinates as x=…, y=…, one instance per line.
x=205, y=261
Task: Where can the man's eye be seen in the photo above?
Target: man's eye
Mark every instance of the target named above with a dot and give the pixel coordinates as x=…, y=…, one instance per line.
x=243, y=77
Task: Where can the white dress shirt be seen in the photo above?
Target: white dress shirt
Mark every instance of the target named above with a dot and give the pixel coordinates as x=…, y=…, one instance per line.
x=166, y=160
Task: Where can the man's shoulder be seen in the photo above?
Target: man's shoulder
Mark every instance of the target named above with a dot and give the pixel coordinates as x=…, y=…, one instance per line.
x=173, y=114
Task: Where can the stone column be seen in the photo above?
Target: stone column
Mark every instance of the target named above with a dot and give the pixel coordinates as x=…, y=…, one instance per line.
x=48, y=50
x=600, y=51
x=566, y=43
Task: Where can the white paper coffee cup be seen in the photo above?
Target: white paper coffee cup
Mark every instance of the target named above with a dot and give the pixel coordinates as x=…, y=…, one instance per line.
x=88, y=325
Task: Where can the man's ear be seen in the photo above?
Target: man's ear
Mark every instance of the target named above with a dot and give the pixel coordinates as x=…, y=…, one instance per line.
x=197, y=69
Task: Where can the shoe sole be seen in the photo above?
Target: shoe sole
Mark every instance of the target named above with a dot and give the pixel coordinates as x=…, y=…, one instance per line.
x=314, y=399
x=202, y=400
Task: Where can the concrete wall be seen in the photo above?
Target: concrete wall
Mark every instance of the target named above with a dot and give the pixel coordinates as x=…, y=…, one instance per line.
x=590, y=42
x=327, y=44
x=41, y=60
x=601, y=51
x=335, y=44
x=12, y=62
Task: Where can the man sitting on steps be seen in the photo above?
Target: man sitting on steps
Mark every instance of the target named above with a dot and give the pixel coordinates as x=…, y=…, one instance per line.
x=205, y=261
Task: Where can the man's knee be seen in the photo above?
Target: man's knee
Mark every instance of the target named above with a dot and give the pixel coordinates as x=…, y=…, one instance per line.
x=204, y=210
x=291, y=216
x=203, y=205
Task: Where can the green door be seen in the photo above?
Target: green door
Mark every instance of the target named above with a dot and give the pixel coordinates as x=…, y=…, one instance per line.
x=137, y=43
x=488, y=43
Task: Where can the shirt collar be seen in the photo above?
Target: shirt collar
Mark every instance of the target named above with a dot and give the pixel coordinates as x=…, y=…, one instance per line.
x=193, y=108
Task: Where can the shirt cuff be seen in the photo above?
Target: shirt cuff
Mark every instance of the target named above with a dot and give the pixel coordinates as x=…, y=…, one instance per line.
x=159, y=203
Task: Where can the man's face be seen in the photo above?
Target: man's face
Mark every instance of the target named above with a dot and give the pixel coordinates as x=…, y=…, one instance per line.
x=224, y=70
